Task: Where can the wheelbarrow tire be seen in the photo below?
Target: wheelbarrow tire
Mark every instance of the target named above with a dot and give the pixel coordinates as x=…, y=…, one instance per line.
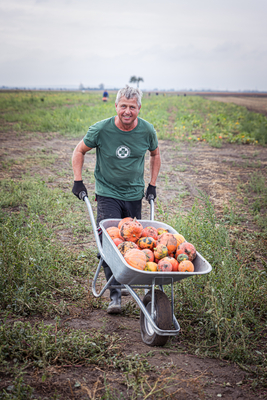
x=162, y=318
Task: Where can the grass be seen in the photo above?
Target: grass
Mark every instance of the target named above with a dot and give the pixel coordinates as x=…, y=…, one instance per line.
x=195, y=118
x=223, y=314
x=35, y=269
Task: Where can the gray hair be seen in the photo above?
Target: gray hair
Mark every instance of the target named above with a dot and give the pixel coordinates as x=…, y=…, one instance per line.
x=129, y=92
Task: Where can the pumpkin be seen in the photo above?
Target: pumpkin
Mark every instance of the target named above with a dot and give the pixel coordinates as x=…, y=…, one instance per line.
x=160, y=251
x=136, y=258
x=125, y=246
x=181, y=257
x=169, y=241
x=173, y=262
x=164, y=266
x=146, y=243
x=126, y=219
x=151, y=266
x=162, y=230
x=131, y=230
x=113, y=232
x=117, y=241
x=150, y=231
x=188, y=249
x=180, y=239
x=186, y=266
x=149, y=255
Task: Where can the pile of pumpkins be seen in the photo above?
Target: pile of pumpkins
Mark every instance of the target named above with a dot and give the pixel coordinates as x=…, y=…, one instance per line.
x=152, y=249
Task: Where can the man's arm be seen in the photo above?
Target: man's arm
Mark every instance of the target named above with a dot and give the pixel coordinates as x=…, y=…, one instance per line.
x=78, y=159
x=155, y=163
x=77, y=165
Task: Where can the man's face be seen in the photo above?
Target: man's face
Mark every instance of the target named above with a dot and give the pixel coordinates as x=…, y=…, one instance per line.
x=127, y=110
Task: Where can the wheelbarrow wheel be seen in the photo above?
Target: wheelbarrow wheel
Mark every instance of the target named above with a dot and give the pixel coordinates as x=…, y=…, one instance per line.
x=162, y=318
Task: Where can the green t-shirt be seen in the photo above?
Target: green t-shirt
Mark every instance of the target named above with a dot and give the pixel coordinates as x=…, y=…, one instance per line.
x=120, y=157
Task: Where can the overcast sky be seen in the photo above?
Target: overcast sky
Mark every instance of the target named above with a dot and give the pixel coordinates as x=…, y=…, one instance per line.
x=171, y=44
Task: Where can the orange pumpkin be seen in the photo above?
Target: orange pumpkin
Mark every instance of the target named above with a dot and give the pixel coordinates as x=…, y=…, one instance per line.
x=188, y=249
x=125, y=246
x=149, y=255
x=126, y=219
x=117, y=241
x=113, y=232
x=164, y=266
x=136, y=258
x=131, y=230
x=180, y=239
x=169, y=241
x=160, y=251
x=146, y=243
x=186, y=266
x=151, y=266
x=150, y=231
x=173, y=262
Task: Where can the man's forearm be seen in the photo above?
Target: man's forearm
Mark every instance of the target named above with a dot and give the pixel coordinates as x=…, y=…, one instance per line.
x=155, y=163
x=78, y=160
x=77, y=165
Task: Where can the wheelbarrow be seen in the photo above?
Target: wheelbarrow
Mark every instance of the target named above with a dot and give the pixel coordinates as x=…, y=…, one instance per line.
x=157, y=319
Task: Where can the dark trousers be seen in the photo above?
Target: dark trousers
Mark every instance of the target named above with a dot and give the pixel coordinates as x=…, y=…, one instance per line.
x=109, y=208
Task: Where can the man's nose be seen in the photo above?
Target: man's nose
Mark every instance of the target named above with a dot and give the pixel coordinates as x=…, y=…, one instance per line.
x=128, y=110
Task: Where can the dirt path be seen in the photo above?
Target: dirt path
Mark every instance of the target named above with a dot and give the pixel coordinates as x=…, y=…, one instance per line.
x=256, y=104
x=185, y=170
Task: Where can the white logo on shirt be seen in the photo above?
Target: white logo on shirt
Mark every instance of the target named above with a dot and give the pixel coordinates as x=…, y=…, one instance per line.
x=123, y=152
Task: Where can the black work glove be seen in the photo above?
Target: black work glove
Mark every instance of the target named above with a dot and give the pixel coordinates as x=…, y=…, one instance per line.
x=78, y=188
x=150, y=192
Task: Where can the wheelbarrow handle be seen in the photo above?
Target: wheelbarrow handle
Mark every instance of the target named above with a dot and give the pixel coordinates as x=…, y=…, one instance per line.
x=82, y=195
x=151, y=202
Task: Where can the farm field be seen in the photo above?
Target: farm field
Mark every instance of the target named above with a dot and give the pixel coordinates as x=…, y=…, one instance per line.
x=57, y=341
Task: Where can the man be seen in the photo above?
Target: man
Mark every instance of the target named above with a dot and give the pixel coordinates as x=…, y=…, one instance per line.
x=121, y=143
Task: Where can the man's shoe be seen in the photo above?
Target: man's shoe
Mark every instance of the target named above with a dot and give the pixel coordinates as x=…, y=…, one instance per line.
x=124, y=292
x=114, y=307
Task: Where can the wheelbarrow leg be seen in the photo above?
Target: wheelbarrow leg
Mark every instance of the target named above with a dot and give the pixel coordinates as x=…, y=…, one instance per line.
x=95, y=279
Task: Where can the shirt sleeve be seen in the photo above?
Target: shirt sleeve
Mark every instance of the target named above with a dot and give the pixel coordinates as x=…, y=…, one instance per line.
x=91, y=139
x=153, y=139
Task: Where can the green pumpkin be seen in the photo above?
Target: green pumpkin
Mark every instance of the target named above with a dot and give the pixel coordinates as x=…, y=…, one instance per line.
x=182, y=257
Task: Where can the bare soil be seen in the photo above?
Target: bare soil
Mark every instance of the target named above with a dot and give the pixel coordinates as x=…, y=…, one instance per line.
x=256, y=104
x=185, y=169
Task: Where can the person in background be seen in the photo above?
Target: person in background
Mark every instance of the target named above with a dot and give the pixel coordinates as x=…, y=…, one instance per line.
x=105, y=95
x=121, y=143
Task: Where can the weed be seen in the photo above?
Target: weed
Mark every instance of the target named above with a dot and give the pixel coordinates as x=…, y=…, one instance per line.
x=225, y=308
x=44, y=345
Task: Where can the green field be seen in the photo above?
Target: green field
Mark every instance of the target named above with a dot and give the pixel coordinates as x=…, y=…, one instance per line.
x=223, y=314
x=193, y=118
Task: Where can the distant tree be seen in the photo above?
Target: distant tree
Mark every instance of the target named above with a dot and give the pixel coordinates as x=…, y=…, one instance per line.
x=139, y=80
x=133, y=79
x=136, y=80
x=81, y=87
x=101, y=86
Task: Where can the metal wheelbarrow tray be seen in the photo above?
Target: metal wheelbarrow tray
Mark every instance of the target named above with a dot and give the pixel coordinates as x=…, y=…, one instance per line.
x=157, y=319
x=126, y=274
